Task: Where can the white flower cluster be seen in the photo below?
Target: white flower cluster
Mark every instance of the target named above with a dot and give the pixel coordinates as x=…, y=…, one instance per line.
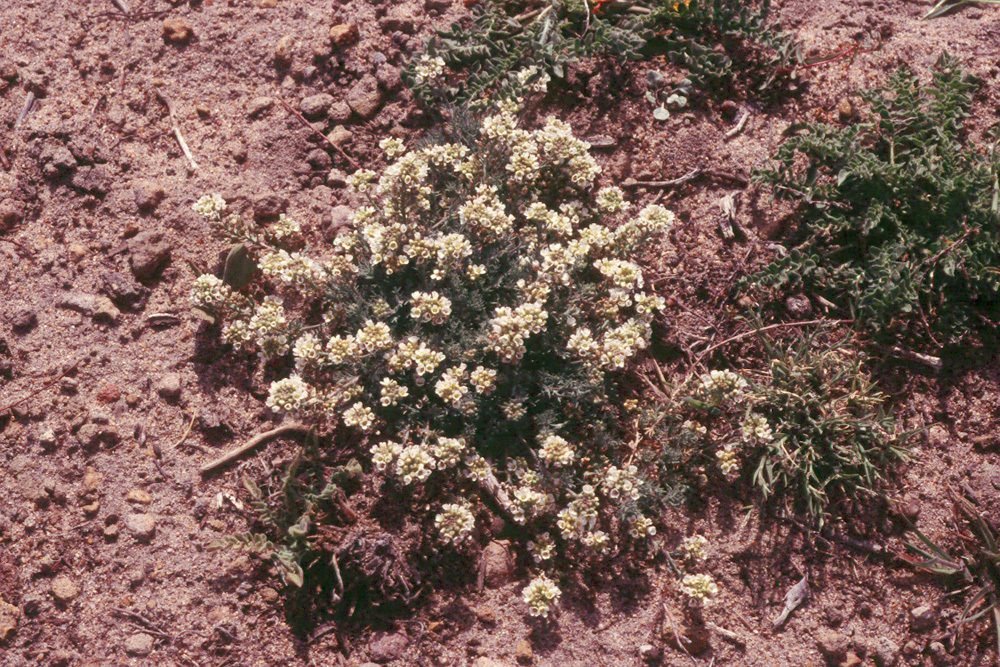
x=543, y=549
x=428, y=69
x=210, y=292
x=641, y=526
x=537, y=81
x=612, y=200
x=699, y=588
x=285, y=227
x=412, y=353
x=393, y=147
x=385, y=453
x=269, y=328
x=449, y=452
x=621, y=484
x=756, y=429
x=720, y=387
x=626, y=275
x=729, y=460
x=541, y=596
x=414, y=464
x=391, y=391
x=291, y=395
x=308, y=352
x=511, y=327
x=556, y=451
x=528, y=503
x=450, y=388
x=693, y=548
x=210, y=206
x=430, y=307
x=580, y=516
x=455, y=523
x=359, y=415
x=483, y=380
x=293, y=269
x=374, y=337
x=653, y=219
x=485, y=214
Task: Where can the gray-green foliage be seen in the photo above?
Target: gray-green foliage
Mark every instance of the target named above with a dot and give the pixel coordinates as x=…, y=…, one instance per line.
x=898, y=213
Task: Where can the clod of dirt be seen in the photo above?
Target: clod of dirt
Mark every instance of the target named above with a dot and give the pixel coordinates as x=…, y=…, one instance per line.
x=523, y=652
x=486, y=615
x=343, y=35
x=23, y=321
x=11, y=213
x=123, y=290
x=885, y=652
x=269, y=207
x=693, y=634
x=365, y=98
x=258, y=106
x=315, y=107
x=399, y=19
x=388, y=77
x=94, y=180
x=98, y=307
x=939, y=654
x=340, y=135
x=139, y=497
x=148, y=195
x=497, y=564
x=56, y=161
x=139, y=644
x=922, y=618
x=148, y=253
x=9, y=616
x=388, y=647
x=833, y=645
x=176, y=30
x=142, y=526
x=64, y=589
x=487, y=662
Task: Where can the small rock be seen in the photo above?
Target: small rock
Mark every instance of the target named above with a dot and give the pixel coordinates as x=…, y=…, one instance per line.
x=922, y=618
x=148, y=195
x=729, y=109
x=336, y=179
x=64, y=589
x=96, y=180
x=399, y=18
x=108, y=393
x=845, y=110
x=91, y=510
x=486, y=662
x=8, y=70
x=523, y=651
x=284, y=52
x=9, y=616
x=139, y=644
x=939, y=654
x=852, y=660
x=388, y=647
x=23, y=321
x=798, y=305
x=176, y=30
x=486, y=615
x=77, y=252
x=497, y=563
x=269, y=595
x=92, y=435
x=365, y=98
x=142, y=526
x=48, y=438
x=169, y=385
x=343, y=35
x=111, y=532
x=269, y=207
x=911, y=649
x=148, y=253
x=315, y=107
x=651, y=654
x=258, y=106
x=62, y=658
x=885, y=652
x=56, y=161
x=123, y=289
x=439, y=5
x=98, y=307
x=340, y=135
x=833, y=645
x=91, y=483
x=139, y=497
x=267, y=4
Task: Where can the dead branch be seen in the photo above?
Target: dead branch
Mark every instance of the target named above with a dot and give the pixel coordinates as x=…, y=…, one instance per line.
x=305, y=122
x=254, y=442
x=744, y=116
x=690, y=176
x=769, y=327
x=42, y=388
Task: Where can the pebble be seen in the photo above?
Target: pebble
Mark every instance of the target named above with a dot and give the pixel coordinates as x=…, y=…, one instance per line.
x=845, y=110
x=336, y=179
x=399, y=19
x=148, y=253
x=269, y=595
x=258, y=106
x=486, y=662
x=148, y=195
x=388, y=647
x=364, y=97
x=486, y=615
x=389, y=78
x=56, y=161
x=922, y=618
x=142, y=526
x=885, y=652
x=11, y=213
x=111, y=532
x=139, y=644
x=284, y=52
x=939, y=654
x=48, y=438
x=91, y=483
x=100, y=308
x=339, y=112
x=343, y=35
x=833, y=645
x=523, y=651
x=77, y=252
x=169, y=385
x=23, y=321
x=319, y=159
x=315, y=107
x=139, y=497
x=9, y=617
x=176, y=30
x=64, y=589
x=91, y=510
x=267, y=4
x=108, y=393
x=497, y=563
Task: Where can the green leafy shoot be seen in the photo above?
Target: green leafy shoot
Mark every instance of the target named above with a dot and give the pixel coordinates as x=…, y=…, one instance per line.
x=946, y=6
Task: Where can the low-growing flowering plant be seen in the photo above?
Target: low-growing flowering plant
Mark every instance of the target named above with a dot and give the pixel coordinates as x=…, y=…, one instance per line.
x=472, y=326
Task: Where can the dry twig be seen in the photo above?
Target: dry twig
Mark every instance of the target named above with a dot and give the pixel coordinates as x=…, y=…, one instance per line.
x=42, y=388
x=690, y=176
x=305, y=122
x=254, y=442
x=177, y=130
